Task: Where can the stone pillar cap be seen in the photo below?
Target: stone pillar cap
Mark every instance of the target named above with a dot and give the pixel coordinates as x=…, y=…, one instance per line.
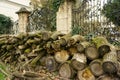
x=22, y=10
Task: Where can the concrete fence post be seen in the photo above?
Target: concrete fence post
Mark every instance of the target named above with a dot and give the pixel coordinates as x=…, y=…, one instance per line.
x=23, y=14
x=64, y=17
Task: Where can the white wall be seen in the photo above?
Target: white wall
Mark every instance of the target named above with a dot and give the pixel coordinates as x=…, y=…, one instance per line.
x=8, y=8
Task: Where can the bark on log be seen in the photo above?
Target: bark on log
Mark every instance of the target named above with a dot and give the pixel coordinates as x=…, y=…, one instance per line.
x=85, y=74
x=110, y=62
x=46, y=35
x=56, y=45
x=56, y=35
x=61, y=56
x=50, y=64
x=103, y=50
x=34, y=61
x=82, y=45
x=79, y=61
x=118, y=55
x=96, y=67
x=106, y=77
x=72, y=50
x=74, y=39
x=66, y=71
x=102, y=45
x=91, y=52
x=30, y=74
x=62, y=42
x=64, y=39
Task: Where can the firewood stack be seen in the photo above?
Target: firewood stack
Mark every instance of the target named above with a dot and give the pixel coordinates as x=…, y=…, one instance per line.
x=71, y=56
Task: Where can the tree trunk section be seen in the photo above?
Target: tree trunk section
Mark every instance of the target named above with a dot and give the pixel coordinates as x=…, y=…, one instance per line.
x=66, y=71
x=61, y=56
x=85, y=74
x=82, y=45
x=110, y=62
x=72, y=50
x=79, y=61
x=106, y=77
x=50, y=63
x=118, y=55
x=74, y=39
x=103, y=50
x=56, y=35
x=96, y=67
x=91, y=52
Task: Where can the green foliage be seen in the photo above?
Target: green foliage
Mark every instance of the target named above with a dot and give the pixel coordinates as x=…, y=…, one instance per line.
x=112, y=11
x=76, y=30
x=56, y=4
x=2, y=76
x=5, y=24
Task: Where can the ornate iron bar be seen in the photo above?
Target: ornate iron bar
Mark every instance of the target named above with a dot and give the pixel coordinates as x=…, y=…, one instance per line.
x=88, y=18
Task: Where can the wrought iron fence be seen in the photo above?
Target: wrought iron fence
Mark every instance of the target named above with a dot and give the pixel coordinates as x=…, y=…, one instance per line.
x=41, y=19
x=89, y=20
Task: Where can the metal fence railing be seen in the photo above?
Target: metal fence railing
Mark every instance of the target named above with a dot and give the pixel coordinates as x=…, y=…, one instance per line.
x=88, y=19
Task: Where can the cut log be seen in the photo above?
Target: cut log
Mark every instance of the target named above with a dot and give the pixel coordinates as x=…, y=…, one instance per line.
x=66, y=71
x=99, y=41
x=74, y=39
x=35, y=60
x=56, y=35
x=96, y=67
x=118, y=69
x=56, y=45
x=72, y=50
x=110, y=62
x=48, y=47
x=91, y=52
x=64, y=39
x=30, y=74
x=79, y=61
x=85, y=74
x=50, y=64
x=106, y=77
x=82, y=45
x=103, y=50
x=22, y=47
x=102, y=45
x=118, y=55
x=61, y=56
x=46, y=35
x=9, y=47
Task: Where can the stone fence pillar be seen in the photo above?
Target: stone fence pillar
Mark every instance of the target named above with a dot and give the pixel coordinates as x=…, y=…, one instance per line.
x=23, y=14
x=64, y=17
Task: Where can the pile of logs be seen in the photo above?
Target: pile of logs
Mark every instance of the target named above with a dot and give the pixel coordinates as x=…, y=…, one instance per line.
x=71, y=56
